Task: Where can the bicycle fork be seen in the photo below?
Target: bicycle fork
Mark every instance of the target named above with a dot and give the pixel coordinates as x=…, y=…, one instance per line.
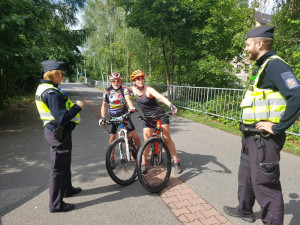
x=126, y=144
x=157, y=156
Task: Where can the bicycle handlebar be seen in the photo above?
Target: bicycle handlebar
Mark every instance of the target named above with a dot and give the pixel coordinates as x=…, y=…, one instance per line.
x=118, y=119
x=155, y=117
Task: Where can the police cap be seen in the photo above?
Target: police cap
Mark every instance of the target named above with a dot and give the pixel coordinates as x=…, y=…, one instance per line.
x=53, y=65
x=261, y=31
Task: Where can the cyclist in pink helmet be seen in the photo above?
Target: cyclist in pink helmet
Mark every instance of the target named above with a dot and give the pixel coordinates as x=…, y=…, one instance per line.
x=117, y=98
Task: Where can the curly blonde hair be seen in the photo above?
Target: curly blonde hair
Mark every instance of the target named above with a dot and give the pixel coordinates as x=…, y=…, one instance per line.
x=51, y=74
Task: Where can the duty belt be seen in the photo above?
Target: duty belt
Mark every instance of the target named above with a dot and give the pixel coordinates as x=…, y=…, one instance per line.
x=251, y=130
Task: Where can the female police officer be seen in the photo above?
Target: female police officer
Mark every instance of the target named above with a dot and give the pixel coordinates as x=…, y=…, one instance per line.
x=60, y=117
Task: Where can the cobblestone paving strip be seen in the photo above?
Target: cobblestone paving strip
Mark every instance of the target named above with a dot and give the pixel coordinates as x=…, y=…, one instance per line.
x=188, y=206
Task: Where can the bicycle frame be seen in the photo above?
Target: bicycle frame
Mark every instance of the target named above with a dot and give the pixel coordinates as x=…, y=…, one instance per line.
x=154, y=158
x=157, y=132
x=124, y=133
x=122, y=168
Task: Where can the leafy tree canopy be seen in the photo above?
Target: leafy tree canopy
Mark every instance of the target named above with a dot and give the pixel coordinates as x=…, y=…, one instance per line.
x=32, y=31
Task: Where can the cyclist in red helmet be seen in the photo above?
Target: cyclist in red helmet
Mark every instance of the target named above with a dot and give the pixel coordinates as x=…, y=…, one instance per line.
x=117, y=98
x=146, y=99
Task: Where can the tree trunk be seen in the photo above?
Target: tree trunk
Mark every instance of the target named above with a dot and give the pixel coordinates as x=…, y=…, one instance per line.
x=170, y=91
x=178, y=73
x=166, y=70
x=150, y=61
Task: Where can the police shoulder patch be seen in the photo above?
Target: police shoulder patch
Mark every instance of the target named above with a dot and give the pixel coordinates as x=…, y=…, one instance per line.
x=290, y=80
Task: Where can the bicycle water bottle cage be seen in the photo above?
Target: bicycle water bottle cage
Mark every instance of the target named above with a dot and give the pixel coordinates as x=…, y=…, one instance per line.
x=158, y=127
x=158, y=124
x=122, y=126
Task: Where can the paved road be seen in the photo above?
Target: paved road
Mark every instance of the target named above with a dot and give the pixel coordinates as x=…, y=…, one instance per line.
x=209, y=158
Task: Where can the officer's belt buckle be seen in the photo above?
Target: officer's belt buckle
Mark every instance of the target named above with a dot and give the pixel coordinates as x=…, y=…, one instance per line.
x=265, y=134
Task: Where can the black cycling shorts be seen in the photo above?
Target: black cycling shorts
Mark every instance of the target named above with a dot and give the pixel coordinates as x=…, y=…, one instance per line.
x=152, y=124
x=113, y=127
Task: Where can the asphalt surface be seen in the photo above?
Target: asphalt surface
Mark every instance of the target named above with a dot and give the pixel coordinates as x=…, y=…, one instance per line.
x=209, y=157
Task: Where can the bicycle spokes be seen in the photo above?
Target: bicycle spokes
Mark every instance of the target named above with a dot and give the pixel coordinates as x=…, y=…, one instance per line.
x=124, y=170
x=158, y=165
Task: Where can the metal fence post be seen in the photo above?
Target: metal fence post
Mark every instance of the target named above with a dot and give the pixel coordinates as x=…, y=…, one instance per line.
x=206, y=101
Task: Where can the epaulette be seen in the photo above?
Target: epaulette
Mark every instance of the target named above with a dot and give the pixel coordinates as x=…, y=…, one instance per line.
x=51, y=91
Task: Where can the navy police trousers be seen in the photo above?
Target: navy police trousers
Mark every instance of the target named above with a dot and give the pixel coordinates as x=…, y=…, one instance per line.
x=60, y=173
x=257, y=182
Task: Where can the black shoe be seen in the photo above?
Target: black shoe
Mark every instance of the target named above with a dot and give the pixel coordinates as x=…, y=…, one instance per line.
x=73, y=192
x=232, y=212
x=65, y=208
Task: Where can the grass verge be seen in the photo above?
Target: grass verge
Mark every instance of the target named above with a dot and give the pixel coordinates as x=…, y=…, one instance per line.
x=16, y=103
x=232, y=127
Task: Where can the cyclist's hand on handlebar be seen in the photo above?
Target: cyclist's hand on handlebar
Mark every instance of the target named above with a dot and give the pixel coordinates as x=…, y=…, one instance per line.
x=173, y=108
x=132, y=109
x=101, y=121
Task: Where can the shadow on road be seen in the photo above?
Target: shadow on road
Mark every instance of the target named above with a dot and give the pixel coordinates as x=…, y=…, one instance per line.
x=293, y=208
x=196, y=164
x=114, y=193
x=24, y=158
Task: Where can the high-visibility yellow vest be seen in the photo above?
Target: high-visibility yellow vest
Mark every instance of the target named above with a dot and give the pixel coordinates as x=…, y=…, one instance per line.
x=43, y=109
x=263, y=104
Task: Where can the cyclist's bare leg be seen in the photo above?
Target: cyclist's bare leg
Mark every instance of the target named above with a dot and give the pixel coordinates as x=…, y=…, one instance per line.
x=169, y=141
x=147, y=133
x=136, y=139
x=112, y=137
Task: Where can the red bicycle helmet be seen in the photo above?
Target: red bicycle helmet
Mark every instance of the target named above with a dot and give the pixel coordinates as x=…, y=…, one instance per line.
x=115, y=76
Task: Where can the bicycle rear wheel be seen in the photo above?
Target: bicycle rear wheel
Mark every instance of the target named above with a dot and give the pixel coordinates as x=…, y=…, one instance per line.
x=124, y=170
x=158, y=166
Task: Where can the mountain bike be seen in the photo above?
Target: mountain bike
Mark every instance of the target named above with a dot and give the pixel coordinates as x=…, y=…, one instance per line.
x=157, y=156
x=122, y=169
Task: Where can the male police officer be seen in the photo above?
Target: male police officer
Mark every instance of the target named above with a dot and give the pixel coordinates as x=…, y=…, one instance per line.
x=60, y=117
x=271, y=105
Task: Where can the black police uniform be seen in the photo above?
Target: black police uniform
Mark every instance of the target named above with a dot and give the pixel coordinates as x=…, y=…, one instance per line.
x=60, y=150
x=261, y=181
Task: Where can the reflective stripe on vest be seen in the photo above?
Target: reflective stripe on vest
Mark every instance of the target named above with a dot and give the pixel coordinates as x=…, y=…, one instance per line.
x=43, y=109
x=263, y=104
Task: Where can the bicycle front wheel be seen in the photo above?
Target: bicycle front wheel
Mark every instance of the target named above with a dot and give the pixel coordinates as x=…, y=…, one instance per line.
x=121, y=170
x=158, y=165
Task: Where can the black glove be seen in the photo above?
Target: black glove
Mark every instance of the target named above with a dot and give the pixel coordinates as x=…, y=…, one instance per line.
x=173, y=108
x=101, y=121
